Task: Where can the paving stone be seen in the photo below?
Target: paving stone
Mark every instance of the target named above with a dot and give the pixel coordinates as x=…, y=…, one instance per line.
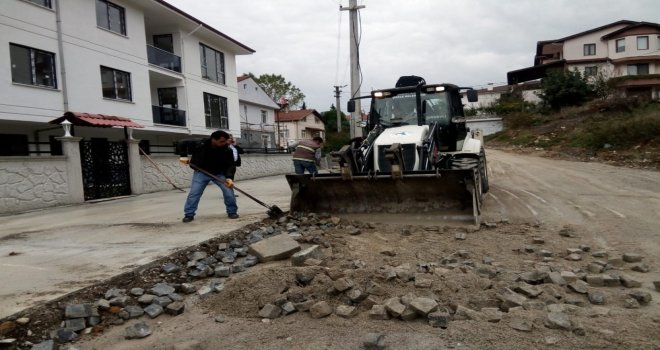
x=176, y=308
x=65, y=335
x=595, y=280
x=45, y=345
x=438, y=319
x=596, y=298
x=409, y=314
x=370, y=301
x=374, y=341
x=656, y=284
x=237, y=268
x=642, y=297
x=242, y=251
x=632, y=257
x=579, y=286
x=616, y=261
x=102, y=304
x=529, y=249
x=320, y=310
x=288, y=308
x=75, y=324
x=375, y=289
x=222, y=271
x=312, y=252
x=557, y=320
x=394, y=306
x=274, y=248
x=346, y=311
x=491, y=314
x=599, y=254
x=250, y=261
x=379, y=312
x=146, y=299
x=641, y=268
x=510, y=299
x=270, y=311
x=568, y=276
x=162, y=301
x=545, y=253
x=538, y=240
x=162, y=289
x=573, y=257
x=171, y=268
x=595, y=311
x=527, y=290
x=520, y=324
x=422, y=280
x=134, y=311
x=356, y=295
x=595, y=268
x=408, y=298
x=460, y=236
x=78, y=311
x=611, y=281
x=93, y=321
x=120, y=300
x=533, y=277
x=137, y=330
x=188, y=288
x=464, y=313
x=629, y=282
x=114, y=292
x=423, y=306
x=343, y=284
x=204, y=291
x=631, y=303
x=555, y=278
x=304, y=305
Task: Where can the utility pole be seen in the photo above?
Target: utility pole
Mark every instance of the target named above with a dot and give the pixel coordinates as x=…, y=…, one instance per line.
x=355, y=73
x=337, y=108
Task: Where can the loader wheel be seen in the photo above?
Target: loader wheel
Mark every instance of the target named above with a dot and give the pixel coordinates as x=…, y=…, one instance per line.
x=483, y=170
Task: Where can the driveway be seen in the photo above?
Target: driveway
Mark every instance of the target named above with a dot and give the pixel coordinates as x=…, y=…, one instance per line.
x=47, y=253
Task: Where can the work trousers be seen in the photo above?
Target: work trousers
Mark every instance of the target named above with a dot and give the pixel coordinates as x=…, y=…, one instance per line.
x=199, y=183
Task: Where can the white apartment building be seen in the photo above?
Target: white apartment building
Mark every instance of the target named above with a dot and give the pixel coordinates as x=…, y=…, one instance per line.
x=257, y=112
x=144, y=60
x=627, y=51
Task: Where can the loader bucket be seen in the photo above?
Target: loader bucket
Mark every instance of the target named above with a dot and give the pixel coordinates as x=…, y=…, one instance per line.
x=442, y=195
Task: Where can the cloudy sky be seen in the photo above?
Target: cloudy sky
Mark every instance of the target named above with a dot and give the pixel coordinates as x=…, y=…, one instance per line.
x=465, y=42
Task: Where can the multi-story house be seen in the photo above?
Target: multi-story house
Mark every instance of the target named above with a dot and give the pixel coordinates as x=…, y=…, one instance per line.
x=144, y=60
x=626, y=51
x=299, y=125
x=107, y=67
x=257, y=111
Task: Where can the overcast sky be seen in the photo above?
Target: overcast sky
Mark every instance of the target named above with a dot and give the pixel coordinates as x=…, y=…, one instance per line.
x=465, y=42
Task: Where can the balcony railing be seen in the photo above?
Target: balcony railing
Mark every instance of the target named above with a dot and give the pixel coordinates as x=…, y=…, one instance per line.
x=163, y=59
x=169, y=116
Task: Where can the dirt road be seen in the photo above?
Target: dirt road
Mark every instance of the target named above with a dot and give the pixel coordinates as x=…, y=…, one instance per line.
x=612, y=209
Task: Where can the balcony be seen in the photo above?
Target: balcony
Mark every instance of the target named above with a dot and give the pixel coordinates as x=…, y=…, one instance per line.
x=168, y=116
x=163, y=59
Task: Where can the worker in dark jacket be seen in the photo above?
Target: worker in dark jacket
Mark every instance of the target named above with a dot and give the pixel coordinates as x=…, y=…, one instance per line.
x=307, y=155
x=214, y=156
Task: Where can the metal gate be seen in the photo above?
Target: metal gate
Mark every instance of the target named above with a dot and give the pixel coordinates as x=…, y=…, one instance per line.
x=104, y=168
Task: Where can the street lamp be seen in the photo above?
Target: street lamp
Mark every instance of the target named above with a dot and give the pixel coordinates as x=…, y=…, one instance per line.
x=66, y=125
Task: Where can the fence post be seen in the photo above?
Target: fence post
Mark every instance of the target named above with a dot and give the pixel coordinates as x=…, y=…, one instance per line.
x=74, y=178
x=135, y=166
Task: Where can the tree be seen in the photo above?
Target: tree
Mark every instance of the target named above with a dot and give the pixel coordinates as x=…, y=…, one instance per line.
x=565, y=88
x=276, y=86
x=335, y=140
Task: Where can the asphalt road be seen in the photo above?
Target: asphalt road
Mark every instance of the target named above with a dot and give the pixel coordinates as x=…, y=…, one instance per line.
x=47, y=253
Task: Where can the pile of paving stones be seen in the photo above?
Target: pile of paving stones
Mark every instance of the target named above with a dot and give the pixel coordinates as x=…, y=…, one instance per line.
x=564, y=286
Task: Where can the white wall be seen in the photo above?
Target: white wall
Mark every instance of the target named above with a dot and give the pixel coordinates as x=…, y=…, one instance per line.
x=38, y=30
x=574, y=48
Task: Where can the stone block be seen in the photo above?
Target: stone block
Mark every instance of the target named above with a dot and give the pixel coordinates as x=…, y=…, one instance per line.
x=222, y=271
x=75, y=324
x=162, y=301
x=422, y=280
x=510, y=299
x=78, y=311
x=579, y=286
x=146, y=299
x=492, y=314
x=557, y=320
x=343, y=284
x=162, y=289
x=595, y=280
x=424, y=306
x=320, y=309
x=288, y=308
x=438, y=319
x=374, y=341
x=632, y=257
x=274, y=248
x=527, y=290
x=134, y=311
x=176, y=308
x=379, y=312
x=304, y=305
x=394, y=307
x=629, y=282
x=656, y=284
x=642, y=297
x=313, y=252
x=270, y=311
x=188, y=288
x=409, y=314
x=555, y=278
x=346, y=311
x=356, y=295
x=596, y=298
x=568, y=276
x=137, y=330
x=641, y=268
x=611, y=281
x=171, y=268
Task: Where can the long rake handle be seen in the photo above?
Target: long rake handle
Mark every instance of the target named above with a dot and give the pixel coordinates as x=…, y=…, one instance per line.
x=160, y=170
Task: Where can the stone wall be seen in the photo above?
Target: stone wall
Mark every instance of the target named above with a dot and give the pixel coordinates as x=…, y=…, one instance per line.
x=252, y=166
x=28, y=183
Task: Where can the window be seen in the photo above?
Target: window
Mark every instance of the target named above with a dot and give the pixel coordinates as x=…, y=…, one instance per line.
x=215, y=111
x=116, y=84
x=14, y=145
x=638, y=69
x=589, y=49
x=164, y=42
x=264, y=116
x=621, y=45
x=642, y=43
x=44, y=3
x=304, y=134
x=213, y=64
x=590, y=71
x=110, y=17
x=31, y=66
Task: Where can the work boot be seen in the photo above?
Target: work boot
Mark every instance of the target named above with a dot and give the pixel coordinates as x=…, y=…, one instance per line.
x=233, y=216
x=188, y=219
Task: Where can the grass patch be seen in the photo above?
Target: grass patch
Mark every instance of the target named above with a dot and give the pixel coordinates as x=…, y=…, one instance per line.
x=620, y=130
